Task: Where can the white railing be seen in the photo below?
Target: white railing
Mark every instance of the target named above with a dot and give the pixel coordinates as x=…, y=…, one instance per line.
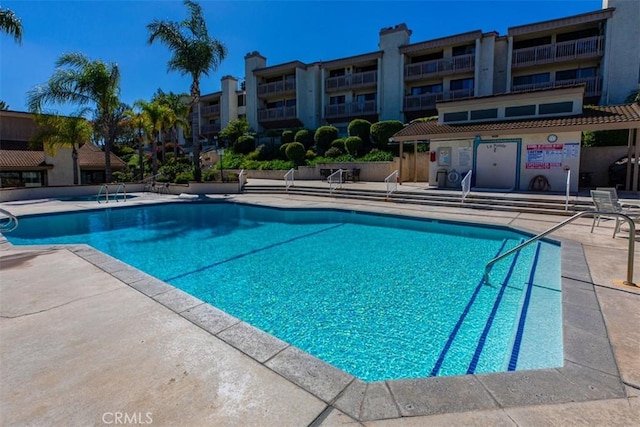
x=392, y=182
x=106, y=193
x=242, y=179
x=122, y=187
x=566, y=199
x=8, y=222
x=335, y=180
x=289, y=178
x=466, y=185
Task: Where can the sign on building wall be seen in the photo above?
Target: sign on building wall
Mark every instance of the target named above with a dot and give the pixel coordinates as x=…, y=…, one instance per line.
x=544, y=156
x=571, y=150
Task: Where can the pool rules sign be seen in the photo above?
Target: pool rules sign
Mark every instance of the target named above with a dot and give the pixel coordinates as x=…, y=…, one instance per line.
x=544, y=156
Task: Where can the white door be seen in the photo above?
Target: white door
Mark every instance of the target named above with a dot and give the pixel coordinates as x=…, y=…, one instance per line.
x=497, y=164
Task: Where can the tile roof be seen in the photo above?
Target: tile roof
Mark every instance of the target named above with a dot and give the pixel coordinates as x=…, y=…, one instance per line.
x=21, y=159
x=592, y=118
x=90, y=156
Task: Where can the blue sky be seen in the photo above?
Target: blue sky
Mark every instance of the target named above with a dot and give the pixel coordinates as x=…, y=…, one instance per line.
x=282, y=31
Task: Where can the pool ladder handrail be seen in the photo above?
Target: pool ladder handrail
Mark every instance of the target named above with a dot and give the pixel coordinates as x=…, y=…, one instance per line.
x=289, y=178
x=632, y=238
x=11, y=224
x=122, y=187
x=392, y=182
x=333, y=182
x=104, y=187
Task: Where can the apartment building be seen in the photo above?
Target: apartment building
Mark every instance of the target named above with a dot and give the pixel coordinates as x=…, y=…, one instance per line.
x=404, y=80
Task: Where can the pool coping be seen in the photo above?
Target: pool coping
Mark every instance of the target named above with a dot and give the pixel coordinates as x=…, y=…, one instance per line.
x=589, y=373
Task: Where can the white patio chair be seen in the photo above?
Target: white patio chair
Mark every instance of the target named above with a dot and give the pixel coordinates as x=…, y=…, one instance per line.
x=603, y=202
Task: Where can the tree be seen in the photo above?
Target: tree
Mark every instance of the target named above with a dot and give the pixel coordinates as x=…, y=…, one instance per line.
x=304, y=137
x=323, y=137
x=382, y=131
x=194, y=52
x=157, y=116
x=235, y=129
x=139, y=123
x=361, y=128
x=11, y=24
x=4, y=106
x=179, y=120
x=56, y=131
x=78, y=80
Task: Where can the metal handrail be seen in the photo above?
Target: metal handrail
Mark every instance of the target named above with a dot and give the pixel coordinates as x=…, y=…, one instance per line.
x=632, y=238
x=106, y=193
x=11, y=225
x=466, y=186
x=242, y=179
x=566, y=198
x=124, y=192
x=392, y=182
x=331, y=179
x=289, y=179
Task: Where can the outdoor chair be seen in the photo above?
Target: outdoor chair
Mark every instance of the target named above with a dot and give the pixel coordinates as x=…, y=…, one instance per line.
x=604, y=202
x=324, y=174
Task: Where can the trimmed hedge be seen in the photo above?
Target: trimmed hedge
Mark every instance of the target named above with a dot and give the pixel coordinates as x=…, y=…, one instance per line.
x=333, y=152
x=304, y=137
x=353, y=145
x=296, y=153
x=360, y=128
x=287, y=137
x=323, y=138
x=244, y=144
x=382, y=131
x=339, y=144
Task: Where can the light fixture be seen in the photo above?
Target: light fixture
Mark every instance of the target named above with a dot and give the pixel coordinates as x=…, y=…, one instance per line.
x=552, y=138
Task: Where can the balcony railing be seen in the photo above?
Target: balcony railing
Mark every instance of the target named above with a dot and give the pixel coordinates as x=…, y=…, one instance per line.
x=351, y=81
x=276, y=88
x=593, y=85
x=428, y=101
x=210, y=128
x=439, y=67
x=210, y=110
x=280, y=113
x=556, y=52
x=351, y=109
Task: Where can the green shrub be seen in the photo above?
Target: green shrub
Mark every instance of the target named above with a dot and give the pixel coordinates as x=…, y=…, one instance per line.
x=333, y=152
x=382, y=131
x=244, y=144
x=360, y=128
x=234, y=130
x=119, y=176
x=339, y=144
x=209, y=175
x=304, y=137
x=231, y=160
x=283, y=150
x=376, y=155
x=310, y=154
x=172, y=168
x=323, y=137
x=279, y=165
x=254, y=155
x=605, y=138
x=184, y=177
x=287, y=137
x=295, y=152
x=353, y=145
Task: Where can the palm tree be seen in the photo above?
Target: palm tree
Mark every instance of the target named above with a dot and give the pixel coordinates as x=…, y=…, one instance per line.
x=180, y=112
x=194, y=53
x=139, y=123
x=11, y=24
x=156, y=115
x=56, y=131
x=78, y=80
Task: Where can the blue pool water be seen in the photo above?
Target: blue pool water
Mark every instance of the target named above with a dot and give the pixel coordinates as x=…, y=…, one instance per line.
x=380, y=297
x=94, y=198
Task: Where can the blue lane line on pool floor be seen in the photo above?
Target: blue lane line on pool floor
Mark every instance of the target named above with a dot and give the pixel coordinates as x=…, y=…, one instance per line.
x=456, y=328
x=523, y=314
x=254, y=251
x=494, y=311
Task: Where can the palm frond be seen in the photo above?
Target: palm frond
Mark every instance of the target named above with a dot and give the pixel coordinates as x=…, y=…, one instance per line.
x=11, y=24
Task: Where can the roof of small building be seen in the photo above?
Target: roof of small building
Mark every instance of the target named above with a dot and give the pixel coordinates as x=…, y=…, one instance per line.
x=90, y=156
x=592, y=118
x=22, y=159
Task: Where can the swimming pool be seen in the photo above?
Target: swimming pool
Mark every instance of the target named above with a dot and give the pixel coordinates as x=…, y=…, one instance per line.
x=94, y=198
x=381, y=297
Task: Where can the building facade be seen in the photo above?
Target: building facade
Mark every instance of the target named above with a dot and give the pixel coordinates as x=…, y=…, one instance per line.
x=404, y=80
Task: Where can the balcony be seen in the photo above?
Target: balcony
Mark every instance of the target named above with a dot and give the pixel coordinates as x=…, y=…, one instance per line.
x=440, y=67
x=593, y=86
x=428, y=101
x=589, y=47
x=351, y=109
x=275, y=114
x=210, y=110
x=276, y=88
x=351, y=81
x=210, y=128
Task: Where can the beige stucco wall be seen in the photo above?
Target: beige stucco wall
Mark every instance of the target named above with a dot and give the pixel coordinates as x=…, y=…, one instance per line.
x=62, y=172
x=597, y=160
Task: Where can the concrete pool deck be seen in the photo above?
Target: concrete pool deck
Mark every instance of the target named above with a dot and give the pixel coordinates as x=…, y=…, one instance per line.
x=85, y=338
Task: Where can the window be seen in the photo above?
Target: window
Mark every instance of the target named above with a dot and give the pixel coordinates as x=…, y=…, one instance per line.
x=242, y=100
x=540, y=41
x=490, y=113
x=21, y=179
x=455, y=117
x=290, y=102
x=523, y=110
x=336, y=100
x=575, y=35
x=463, y=50
x=373, y=67
x=366, y=97
x=421, y=90
x=337, y=73
x=532, y=79
x=427, y=57
x=579, y=73
x=461, y=84
x=556, y=107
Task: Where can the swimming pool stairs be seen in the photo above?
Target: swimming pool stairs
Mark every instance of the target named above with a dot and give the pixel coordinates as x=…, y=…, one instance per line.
x=511, y=202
